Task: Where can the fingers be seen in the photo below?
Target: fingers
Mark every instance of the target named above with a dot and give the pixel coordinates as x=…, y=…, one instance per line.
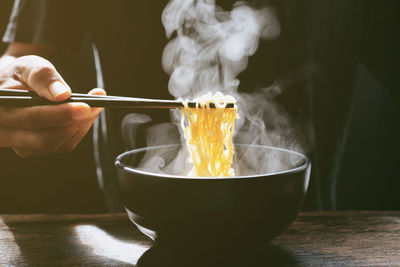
x=28, y=143
x=41, y=76
x=84, y=126
x=41, y=117
x=97, y=91
x=48, y=116
x=48, y=141
x=46, y=129
x=72, y=143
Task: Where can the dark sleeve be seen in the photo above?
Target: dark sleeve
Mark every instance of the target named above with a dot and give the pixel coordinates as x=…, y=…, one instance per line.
x=46, y=21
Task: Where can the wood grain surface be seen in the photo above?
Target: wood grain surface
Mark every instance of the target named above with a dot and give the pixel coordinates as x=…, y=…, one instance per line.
x=314, y=239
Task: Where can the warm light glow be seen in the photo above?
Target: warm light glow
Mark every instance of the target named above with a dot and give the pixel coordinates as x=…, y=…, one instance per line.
x=209, y=135
x=9, y=249
x=102, y=244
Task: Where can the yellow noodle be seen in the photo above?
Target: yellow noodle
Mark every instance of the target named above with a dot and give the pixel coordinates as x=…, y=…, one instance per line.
x=209, y=135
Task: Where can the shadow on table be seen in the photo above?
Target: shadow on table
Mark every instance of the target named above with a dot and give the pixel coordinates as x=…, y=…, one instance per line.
x=116, y=242
x=71, y=242
x=271, y=255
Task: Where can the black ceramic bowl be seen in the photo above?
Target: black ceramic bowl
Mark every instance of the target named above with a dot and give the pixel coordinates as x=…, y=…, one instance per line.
x=251, y=208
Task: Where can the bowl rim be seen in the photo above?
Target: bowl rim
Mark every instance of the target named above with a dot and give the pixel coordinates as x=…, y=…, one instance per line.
x=119, y=164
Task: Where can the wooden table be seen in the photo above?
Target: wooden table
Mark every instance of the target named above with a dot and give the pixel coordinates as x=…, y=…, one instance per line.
x=314, y=239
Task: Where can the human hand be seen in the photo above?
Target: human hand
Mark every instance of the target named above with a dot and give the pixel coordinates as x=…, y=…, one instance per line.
x=42, y=129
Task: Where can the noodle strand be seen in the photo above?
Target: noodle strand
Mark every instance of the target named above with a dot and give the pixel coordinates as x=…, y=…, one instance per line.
x=209, y=135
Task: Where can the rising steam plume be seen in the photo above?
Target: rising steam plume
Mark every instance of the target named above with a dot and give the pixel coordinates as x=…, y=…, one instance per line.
x=208, y=48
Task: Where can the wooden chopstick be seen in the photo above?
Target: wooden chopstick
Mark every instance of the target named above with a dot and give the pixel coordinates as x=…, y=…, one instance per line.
x=25, y=98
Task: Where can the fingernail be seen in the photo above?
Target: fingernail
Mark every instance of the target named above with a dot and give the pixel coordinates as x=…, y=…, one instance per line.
x=81, y=112
x=58, y=88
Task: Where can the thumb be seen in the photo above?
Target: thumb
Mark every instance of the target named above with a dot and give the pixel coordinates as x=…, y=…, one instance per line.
x=41, y=77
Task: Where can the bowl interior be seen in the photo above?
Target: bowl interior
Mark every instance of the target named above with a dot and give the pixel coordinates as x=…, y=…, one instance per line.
x=249, y=161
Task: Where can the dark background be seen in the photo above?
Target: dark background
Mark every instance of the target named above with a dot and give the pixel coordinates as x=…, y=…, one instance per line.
x=5, y=9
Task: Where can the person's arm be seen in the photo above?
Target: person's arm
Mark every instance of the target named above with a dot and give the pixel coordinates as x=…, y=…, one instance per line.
x=43, y=129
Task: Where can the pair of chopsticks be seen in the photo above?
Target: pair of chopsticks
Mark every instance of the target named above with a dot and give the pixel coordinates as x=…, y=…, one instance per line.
x=25, y=98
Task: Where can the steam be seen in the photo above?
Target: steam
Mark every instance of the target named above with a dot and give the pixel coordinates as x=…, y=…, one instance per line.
x=209, y=48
